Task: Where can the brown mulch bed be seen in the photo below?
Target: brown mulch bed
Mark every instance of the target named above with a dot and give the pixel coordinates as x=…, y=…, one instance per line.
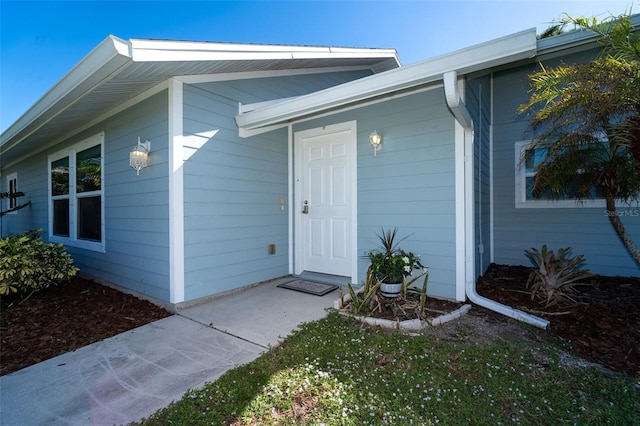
x=604, y=327
x=64, y=318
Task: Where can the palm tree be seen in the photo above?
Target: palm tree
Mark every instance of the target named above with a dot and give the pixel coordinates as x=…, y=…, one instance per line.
x=621, y=43
x=587, y=121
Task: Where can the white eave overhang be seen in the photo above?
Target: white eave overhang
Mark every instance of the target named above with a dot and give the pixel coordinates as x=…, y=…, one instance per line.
x=117, y=71
x=105, y=59
x=483, y=56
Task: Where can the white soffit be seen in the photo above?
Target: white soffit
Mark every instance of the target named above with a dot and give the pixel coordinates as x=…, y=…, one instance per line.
x=98, y=65
x=497, y=52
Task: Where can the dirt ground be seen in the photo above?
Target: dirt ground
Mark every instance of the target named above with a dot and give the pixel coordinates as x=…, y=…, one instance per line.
x=604, y=328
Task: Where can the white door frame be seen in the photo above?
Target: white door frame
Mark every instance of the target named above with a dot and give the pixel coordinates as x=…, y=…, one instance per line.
x=350, y=126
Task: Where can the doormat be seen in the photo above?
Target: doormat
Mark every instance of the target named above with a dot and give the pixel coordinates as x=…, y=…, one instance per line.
x=310, y=287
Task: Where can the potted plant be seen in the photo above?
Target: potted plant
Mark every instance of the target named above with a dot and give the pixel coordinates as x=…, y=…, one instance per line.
x=391, y=265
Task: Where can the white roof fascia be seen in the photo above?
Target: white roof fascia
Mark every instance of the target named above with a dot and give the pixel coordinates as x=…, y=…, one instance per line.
x=195, y=56
x=150, y=44
x=567, y=41
x=343, y=54
x=106, y=58
x=504, y=50
x=163, y=50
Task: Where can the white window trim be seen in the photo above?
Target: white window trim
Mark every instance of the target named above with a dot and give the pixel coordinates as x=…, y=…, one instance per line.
x=10, y=177
x=71, y=152
x=521, y=189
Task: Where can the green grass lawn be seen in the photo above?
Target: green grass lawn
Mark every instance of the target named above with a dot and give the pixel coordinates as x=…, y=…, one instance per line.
x=335, y=372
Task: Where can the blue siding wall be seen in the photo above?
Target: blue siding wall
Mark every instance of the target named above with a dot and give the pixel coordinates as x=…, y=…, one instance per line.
x=410, y=183
x=136, y=207
x=478, y=102
x=587, y=230
x=136, y=212
x=30, y=175
x=233, y=186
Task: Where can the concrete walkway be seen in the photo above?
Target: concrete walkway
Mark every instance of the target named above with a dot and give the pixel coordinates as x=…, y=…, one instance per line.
x=132, y=375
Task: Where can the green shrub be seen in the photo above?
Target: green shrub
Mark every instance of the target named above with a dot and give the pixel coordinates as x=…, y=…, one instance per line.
x=555, y=275
x=28, y=264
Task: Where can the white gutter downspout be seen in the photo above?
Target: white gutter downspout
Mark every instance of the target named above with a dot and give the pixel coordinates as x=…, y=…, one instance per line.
x=463, y=117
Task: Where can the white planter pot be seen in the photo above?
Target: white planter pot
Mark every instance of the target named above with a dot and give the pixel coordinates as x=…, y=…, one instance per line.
x=391, y=290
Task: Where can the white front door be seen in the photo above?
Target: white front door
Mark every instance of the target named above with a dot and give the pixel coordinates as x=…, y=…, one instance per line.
x=326, y=200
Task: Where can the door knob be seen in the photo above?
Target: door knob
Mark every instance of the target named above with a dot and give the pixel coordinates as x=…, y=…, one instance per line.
x=305, y=208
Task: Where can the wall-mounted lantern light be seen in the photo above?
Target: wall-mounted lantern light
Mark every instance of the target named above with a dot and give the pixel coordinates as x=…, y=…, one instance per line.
x=138, y=157
x=376, y=142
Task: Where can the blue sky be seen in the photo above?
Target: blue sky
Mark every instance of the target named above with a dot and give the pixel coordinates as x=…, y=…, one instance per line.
x=41, y=41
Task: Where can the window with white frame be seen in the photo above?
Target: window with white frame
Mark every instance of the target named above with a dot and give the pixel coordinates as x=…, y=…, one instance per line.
x=12, y=190
x=527, y=160
x=76, y=194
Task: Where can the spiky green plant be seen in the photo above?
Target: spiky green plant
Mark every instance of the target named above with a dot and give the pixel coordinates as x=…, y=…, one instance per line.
x=555, y=275
x=363, y=302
